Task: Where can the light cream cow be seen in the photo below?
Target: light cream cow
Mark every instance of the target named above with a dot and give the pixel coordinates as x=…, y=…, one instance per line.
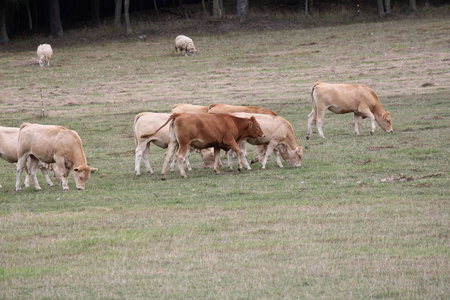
x=52, y=144
x=347, y=98
x=9, y=139
x=279, y=135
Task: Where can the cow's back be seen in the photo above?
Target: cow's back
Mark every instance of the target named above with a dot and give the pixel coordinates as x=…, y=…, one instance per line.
x=46, y=141
x=189, y=108
x=344, y=97
x=221, y=108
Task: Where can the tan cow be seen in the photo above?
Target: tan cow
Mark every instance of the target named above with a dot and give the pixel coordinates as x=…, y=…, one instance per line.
x=221, y=131
x=52, y=144
x=149, y=122
x=189, y=108
x=279, y=135
x=9, y=138
x=220, y=108
x=347, y=98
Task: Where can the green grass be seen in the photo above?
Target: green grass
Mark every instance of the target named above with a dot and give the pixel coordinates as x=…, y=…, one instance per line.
x=363, y=217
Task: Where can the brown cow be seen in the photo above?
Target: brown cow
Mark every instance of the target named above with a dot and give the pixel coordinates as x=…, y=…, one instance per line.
x=9, y=138
x=346, y=98
x=201, y=131
x=52, y=144
x=279, y=135
x=189, y=108
x=220, y=108
x=148, y=122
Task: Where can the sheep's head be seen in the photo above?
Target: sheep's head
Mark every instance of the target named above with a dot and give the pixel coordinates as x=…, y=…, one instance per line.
x=41, y=62
x=191, y=49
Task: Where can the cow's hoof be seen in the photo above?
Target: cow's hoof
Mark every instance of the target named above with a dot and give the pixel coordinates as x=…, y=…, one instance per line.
x=239, y=169
x=372, y=133
x=307, y=137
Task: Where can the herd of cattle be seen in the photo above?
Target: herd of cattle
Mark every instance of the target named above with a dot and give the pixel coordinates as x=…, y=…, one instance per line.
x=205, y=129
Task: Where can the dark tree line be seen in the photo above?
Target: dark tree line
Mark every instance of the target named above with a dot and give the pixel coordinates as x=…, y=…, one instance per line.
x=30, y=16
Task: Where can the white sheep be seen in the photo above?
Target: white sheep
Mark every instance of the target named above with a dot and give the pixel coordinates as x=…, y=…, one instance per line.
x=184, y=44
x=44, y=53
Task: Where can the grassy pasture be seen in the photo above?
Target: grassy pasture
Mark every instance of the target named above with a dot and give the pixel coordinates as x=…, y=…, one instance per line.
x=364, y=217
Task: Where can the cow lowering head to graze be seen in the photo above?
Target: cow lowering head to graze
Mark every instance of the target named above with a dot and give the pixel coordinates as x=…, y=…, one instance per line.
x=9, y=139
x=347, y=98
x=279, y=135
x=189, y=108
x=148, y=122
x=221, y=131
x=220, y=108
x=52, y=144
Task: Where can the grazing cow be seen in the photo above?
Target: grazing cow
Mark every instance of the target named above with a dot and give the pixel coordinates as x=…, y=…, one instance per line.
x=9, y=139
x=346, y=98
x=52, y=144
x=279, y=135
x=148, y=122
x=219, y=108
x=189, y=108
x=221, y=131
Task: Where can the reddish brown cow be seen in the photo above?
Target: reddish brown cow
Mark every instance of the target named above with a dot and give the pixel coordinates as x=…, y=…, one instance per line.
x=220, y=108
x=201, y=131
x=347, y=98
x=52, y=144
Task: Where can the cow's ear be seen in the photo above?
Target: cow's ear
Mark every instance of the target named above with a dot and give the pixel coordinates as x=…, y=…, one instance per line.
x=92, y=170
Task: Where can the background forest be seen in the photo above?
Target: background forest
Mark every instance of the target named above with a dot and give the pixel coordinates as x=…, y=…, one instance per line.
x=28, y=17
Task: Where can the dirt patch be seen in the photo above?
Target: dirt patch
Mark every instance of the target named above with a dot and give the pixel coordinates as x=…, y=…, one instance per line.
x=380, y=148
x=403, y=178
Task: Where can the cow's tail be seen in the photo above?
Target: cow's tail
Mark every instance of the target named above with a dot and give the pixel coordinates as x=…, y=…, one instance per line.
x=172, y=117
x=314, y=100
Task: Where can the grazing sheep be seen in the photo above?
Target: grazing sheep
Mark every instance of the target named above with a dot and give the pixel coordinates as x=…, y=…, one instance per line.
x=185, y=45
x=44, y=53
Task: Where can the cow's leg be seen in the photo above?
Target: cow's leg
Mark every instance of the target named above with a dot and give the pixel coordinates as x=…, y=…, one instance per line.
x=277, y=156
x=357, y=117
x=47, y=178
x=270, y=147
x=217, y=159
x=367, y=113
x=62, y=173
x=242, y=145
x=20, y=167
x=186, y=159
x=319, y=119
x=230, y=159
x=33, y=163
x=169, y=153
x=173, y=164
x=181, y=153
x=142, y=152
x=261, y=152
x=310, y=124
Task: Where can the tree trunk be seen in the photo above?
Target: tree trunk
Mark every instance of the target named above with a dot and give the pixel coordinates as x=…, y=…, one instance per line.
x=156, y=8
x=56, y=30
x=127, y=16
x=3, y=33
x=95, y=12
x=309, y=6
x=217, y=9
x=30, y=20
x=380, y=8
x=242, y=8
x=387, y=6
x=118, y=12
x=412, y=5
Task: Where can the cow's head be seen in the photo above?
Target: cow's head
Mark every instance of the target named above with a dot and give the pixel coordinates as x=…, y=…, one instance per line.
x=385, y=121
x=82, y=175
x=293, y=156
x=255, y=131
